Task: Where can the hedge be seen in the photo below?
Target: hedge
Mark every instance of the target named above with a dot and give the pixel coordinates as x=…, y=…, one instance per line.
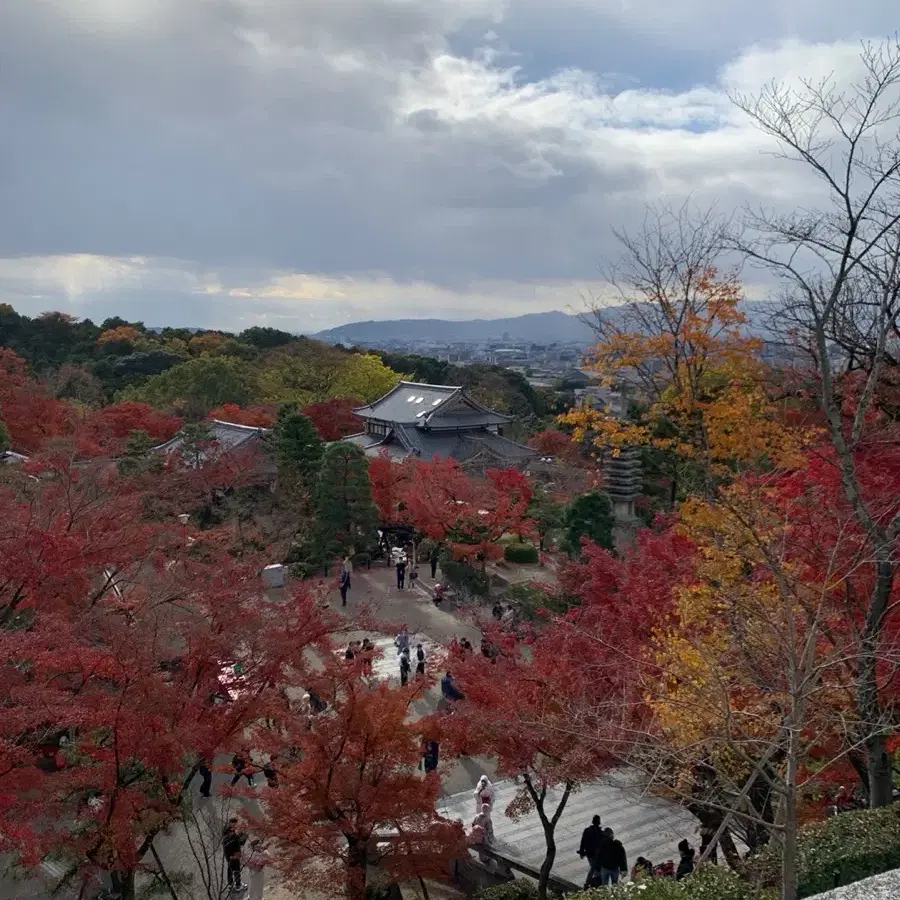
x=520, y=553
x=838, y=851
x=707, y=883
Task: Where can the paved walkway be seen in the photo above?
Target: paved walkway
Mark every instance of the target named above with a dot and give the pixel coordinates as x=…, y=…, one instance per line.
x=647, y=826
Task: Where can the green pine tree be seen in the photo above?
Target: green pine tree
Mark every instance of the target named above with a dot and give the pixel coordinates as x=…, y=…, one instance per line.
x=590, y=516
x=138, y=456
x=346, y=515
x=4, y=437
x=297, y=446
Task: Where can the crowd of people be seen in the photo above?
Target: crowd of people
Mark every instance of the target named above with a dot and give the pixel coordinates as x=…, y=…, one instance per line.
x=608, y=862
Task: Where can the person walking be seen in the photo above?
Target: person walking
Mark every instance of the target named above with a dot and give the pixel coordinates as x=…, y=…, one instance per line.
x=256, y=863
x=483, y=793
x=401, y=571
x=401, y=642
x=610, y=859
x=484, y=822
x=239, y=764
x=206, y=777
x=345, y=586
x=686, y=863
x=233, y=842
x=433, y=558
x=449, y=690
x=430, y=756
x=591, y=838
x=420, y=661
x=347, y=566
x=404, y=668
x=366, y=654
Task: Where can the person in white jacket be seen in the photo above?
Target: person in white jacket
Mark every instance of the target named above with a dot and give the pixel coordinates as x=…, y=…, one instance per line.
x=483, y=793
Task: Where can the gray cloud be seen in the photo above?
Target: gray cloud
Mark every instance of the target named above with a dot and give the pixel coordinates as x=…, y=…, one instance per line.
x=368, y=138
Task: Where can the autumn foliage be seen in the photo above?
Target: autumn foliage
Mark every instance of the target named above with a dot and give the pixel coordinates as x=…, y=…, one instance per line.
x=334, y=419
x=351, y=796
x=255, y=416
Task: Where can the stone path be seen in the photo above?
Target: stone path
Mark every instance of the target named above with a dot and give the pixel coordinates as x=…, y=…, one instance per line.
x=647, y=826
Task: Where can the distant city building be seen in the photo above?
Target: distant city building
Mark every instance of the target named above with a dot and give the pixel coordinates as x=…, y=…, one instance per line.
x=598, y=396
x=428, y=420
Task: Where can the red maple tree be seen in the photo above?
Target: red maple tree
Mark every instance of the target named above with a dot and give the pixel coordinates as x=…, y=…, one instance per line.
x=520, y=707
x=32, y=415
x=350, y=795
x=334, y=419
x=468, y=513
x=115, y=627
x=255, y=416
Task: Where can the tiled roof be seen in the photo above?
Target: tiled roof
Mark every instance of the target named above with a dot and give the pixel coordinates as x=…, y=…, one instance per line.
x=9, y=457
x=227, y=435
x=404, y=402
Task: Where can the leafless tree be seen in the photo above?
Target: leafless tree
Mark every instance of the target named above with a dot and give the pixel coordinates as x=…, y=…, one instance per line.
x=839, y=267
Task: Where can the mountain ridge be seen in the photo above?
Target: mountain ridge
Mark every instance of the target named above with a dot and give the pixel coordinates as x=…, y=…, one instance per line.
x=541, y=327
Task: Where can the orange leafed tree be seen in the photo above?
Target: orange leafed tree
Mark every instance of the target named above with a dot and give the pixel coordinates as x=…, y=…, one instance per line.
x=255, y=416
x=122, y=333
x=352, y=797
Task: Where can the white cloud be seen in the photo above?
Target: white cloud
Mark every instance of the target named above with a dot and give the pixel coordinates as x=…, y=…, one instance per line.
x=329, y=160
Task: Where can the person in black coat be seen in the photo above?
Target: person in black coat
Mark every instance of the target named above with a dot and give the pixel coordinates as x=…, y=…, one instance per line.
x=591, y=838
x=610, y=860
x=686, y=863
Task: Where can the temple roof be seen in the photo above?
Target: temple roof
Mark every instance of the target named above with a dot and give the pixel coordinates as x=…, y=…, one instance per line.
x=405, y=440
x=430, y=406
x=228, y=436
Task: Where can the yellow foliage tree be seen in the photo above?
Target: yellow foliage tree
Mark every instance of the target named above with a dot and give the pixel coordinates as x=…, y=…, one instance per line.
x=205, y=342
x=122, y=333
x=364, y=376
x=700, y=387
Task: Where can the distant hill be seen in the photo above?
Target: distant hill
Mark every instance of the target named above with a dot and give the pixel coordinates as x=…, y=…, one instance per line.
x=533, y=328
x=538, y=328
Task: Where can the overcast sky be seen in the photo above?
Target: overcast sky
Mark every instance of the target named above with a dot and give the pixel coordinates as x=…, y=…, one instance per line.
x=302, y=163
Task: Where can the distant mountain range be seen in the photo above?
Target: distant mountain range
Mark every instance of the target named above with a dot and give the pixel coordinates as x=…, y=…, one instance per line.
x=535, y=328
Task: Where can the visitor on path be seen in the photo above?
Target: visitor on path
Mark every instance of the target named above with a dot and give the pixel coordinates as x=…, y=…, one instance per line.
x=401, y=642
x=430, y=754
x=366, y=654
x=232, y=846
x=420, y=661
x=347, y=567
x=404, y=668
x=401, y=572
x=484, y=824
x=497, y=610
x=483, y=793
x=686, y=863
x=345, y=586
x=206, y=776
x=239, y=764
x=350, y=652
x=466, y=645
x=433, y=558
x=256, y=863
x=642, y=868
x=449, y=690
x=591, y=838
x=609, y=860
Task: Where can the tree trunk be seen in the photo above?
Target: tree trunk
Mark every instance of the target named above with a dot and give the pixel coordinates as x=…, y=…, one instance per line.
x=123, y=884
x=789, y=845
x=357, y=864
x=549, y=859
x=878, y=763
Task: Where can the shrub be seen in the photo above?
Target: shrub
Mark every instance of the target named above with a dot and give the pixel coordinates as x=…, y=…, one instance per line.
x=463, y=577
x=838, y=851
x=707, y=883
x=512, y=890
x=520, y=553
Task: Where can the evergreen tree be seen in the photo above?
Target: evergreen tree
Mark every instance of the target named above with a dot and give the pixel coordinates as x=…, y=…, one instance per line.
x=346, y=515
x=4, y=436
x=297, y=445
x=590, y=516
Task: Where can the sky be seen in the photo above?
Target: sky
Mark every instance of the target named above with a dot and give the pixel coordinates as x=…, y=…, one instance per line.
x=306, y=163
